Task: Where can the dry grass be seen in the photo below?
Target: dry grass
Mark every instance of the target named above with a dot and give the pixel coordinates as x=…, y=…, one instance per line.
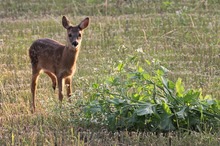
x=183, y=35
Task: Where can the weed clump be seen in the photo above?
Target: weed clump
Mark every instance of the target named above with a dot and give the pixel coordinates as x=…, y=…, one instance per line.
x=142, y=98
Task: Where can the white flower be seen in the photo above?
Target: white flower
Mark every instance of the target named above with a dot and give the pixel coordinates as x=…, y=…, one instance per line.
x=179, y=12
x=140, y=50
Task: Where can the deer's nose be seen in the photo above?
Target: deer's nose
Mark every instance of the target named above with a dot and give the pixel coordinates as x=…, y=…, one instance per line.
x=75, y=43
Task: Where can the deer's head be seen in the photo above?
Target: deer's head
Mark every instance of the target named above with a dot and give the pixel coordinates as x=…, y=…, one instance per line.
x=74, y=33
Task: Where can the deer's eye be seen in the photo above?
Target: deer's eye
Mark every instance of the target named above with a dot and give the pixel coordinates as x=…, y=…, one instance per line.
x=79, y=36
x=70, y=35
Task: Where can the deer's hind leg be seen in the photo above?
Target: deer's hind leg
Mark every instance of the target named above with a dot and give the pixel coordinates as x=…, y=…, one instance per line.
x=35, y=74
x=53, y=78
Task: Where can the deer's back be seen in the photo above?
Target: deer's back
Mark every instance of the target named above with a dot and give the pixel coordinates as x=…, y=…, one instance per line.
x=46, y=51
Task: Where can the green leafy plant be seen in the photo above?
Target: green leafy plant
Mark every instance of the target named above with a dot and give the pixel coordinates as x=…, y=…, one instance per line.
x=144, y=99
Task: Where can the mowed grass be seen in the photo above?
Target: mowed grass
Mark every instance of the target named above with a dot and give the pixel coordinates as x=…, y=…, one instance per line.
x=183, y=35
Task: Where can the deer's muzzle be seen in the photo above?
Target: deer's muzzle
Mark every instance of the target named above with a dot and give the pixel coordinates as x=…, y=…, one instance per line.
x=75, y=43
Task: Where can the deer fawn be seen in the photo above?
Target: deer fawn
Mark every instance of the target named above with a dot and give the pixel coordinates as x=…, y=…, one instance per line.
x=58, y=61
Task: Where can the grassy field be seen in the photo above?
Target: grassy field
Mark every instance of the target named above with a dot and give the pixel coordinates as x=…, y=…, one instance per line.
x=183, y=34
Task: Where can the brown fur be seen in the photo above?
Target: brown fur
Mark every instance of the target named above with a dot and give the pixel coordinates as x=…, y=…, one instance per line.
x=57, y=60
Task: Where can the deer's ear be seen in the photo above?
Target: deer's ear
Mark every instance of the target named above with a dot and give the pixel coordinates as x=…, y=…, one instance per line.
x=65, y=22
x=84, y=23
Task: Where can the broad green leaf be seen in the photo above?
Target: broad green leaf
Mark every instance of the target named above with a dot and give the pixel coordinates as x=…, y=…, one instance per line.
x=116, y=101
x=191, y=97
x=164, y=81
x=148, y=62
x=201, y=108
x=139, y=89
x=95, y=86
x=95, y=109
x=182, y=113
x=132, y=58
x=164, y=69
x=171, y=85
x=169, y=89
x=113, y=80
x=167, y=3
x=179, y=88
x=110, y=80
x=145, y=110
x=136, y=96
x=208, y=97
x=167, y=108
x=146, y=76
x=140, y=69
x=120, y=66
x=166, y=123
x=210, y=102
x=160, y=72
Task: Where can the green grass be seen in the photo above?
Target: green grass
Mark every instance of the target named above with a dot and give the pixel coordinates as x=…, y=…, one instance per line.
x=183, y=35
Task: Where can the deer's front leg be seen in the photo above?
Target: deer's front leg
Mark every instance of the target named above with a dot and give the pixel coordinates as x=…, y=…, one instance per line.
x=68, y=84
x=60, y=86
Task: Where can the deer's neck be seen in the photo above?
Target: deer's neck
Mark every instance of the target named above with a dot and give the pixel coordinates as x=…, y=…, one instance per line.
x=70, y=56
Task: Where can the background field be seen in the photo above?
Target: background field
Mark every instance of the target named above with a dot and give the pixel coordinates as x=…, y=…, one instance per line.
x=183, y=34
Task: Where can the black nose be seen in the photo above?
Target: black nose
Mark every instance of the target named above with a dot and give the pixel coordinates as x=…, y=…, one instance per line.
x=75, y=43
